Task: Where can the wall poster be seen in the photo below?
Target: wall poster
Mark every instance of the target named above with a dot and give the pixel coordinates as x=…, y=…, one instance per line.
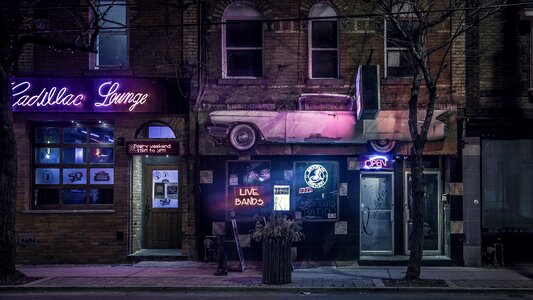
x=164, y=189
x=316, y=189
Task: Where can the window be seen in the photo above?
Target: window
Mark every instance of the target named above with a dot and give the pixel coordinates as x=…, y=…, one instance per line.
x=323, y=43
x=242, y=42
x=398, y=59
x=155, y=130
x=315, y=190
x=507, y=175
x=112, y=39
x=73, y=166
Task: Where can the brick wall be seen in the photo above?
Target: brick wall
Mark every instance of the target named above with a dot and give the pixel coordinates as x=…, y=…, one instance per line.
x=91, y=236
x=286, y=58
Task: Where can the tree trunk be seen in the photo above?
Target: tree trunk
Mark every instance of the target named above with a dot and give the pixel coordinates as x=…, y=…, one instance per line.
x=417, y=208
x=8, y=180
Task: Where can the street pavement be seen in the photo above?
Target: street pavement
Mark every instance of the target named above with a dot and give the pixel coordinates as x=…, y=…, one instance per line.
x=192, y=275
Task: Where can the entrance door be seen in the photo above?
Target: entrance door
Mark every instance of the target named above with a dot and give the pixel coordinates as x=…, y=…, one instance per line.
x=162, y=209
x=432, y=213
x=377, y=213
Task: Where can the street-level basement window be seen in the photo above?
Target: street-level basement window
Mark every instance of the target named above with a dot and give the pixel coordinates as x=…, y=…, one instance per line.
x=73, y=166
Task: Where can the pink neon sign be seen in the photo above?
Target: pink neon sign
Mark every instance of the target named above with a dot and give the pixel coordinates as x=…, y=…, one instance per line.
x=376, y=162
x=108, y=90
x=88, y=95
x=46, y=97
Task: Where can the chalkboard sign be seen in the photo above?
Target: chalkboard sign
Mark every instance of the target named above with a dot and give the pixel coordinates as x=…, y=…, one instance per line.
x=316, y=190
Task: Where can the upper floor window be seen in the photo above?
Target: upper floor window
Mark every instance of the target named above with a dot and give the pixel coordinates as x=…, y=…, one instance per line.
x=242, y=41
x=323, y=42
x=112, y=39
x=398, y=59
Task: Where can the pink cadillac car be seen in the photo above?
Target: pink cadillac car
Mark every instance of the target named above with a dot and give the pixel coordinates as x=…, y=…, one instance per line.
x=315, y=122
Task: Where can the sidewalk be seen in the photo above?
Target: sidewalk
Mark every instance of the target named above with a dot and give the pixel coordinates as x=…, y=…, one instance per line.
x=152, y=275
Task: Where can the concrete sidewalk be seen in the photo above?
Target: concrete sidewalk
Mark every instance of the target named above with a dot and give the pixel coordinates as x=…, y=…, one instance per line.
x=157, y=275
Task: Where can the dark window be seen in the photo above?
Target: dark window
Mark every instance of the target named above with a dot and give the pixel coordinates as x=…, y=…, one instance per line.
x=243, y=41
x=112, y=38
x=399, y=60
x=323, y=43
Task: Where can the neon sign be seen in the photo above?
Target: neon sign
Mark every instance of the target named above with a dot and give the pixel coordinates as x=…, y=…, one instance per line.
x=248, y=196
x=88, y=95
x=47, y=97
x=316, y=176
x=108, y=90
x=376, y=162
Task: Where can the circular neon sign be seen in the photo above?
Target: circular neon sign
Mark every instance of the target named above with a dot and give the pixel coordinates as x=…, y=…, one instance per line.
x=316, y=176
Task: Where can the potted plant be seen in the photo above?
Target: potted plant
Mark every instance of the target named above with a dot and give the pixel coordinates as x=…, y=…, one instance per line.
x=277, y=234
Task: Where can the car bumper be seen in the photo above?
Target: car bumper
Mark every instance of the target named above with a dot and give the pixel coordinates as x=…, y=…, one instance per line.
x=220, y=132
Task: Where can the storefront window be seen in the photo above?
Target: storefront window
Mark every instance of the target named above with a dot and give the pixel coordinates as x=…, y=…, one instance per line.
x=249, y=188
x=507, y=174
x=71, y=170
x=316, y=190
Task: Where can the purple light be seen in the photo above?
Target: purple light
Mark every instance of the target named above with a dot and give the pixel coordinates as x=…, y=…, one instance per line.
x=375, y=162
x=50, y=97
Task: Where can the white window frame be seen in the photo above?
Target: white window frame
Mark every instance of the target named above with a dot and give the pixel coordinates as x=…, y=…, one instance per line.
x=240, y=11
x=321, y=10
x=95, y=58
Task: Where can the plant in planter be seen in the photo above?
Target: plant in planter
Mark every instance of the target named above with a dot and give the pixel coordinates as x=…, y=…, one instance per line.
x=277, y=235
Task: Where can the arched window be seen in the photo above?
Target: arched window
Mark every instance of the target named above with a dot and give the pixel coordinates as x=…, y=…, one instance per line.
x=323, y=42
x=155, y=130
x=242, y=41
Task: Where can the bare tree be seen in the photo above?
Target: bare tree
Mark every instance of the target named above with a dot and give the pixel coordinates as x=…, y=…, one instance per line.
x=75, y=28
x=414, y=22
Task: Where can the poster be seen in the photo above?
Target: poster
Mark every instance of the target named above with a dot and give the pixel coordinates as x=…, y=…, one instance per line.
x=165, y=189
x=282, y=197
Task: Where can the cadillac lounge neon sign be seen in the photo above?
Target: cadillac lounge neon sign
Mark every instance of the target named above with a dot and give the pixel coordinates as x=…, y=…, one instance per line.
x=87, y=95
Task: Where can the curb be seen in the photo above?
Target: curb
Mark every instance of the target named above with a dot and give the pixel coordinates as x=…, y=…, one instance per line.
x=273, y=288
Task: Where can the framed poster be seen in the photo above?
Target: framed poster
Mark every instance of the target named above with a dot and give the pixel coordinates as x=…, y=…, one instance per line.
x=316, y=192
x=165, y=189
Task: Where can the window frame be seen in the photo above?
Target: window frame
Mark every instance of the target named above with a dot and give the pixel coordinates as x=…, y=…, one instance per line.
x=405, y=17
x=227, y=16
x=109, y=33
x=61, y=166
x=311, y=50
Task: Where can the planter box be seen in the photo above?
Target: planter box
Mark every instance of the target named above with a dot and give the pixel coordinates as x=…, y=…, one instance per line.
x=277, y=264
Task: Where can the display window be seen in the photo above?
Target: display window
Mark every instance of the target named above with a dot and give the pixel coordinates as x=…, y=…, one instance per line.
x=73, y=166
x=316, y=191
x=249, y=188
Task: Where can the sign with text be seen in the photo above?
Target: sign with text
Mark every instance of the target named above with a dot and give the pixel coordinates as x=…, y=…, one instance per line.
x=376, y=162
x=165, y=189
x=152, y=148
x=246, y=196
x=316, y=187
x=89, y=95
x=282, y=197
